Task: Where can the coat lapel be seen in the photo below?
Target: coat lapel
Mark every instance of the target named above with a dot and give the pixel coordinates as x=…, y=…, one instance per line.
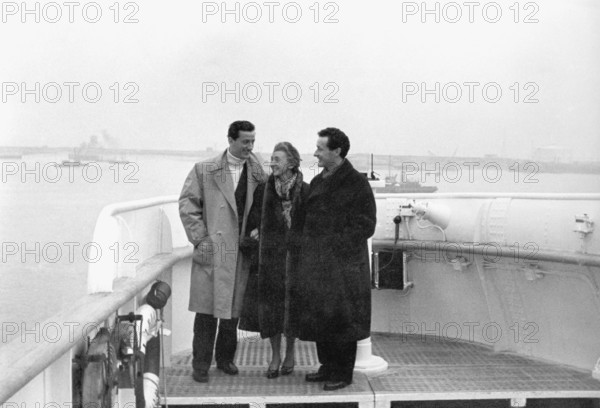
x=255, y=176
x=297, y=199
x=224, y=181
x=322, y=185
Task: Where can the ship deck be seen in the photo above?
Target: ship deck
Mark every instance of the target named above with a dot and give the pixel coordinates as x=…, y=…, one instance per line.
x=420, y=368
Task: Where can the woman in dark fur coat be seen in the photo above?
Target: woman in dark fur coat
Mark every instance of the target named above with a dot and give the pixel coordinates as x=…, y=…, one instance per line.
x=276, y=203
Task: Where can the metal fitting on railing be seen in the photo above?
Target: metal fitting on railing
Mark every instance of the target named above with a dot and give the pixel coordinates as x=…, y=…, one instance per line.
x=583, y=225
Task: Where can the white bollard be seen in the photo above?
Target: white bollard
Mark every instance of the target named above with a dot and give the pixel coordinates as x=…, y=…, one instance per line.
x=366, y=362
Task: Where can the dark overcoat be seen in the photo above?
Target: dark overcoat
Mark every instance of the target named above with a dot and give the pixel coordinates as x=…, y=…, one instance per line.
x=330, y=293
x=265, y=304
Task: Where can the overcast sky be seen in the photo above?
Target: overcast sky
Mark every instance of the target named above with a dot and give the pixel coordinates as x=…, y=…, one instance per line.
x=370, y=65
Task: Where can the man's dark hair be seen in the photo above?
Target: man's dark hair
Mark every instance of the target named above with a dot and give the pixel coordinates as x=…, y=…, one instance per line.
x=235, y=127
x=336, y=138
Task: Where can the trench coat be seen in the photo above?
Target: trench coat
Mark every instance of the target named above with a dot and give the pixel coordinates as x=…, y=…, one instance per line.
x=330, y=294
x=265, y=305
x=208, y=211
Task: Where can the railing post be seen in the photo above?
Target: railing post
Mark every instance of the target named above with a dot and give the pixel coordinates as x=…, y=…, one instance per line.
x=102, y=273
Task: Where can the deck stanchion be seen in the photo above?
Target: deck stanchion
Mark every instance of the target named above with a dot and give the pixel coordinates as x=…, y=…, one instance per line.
x=366, y=362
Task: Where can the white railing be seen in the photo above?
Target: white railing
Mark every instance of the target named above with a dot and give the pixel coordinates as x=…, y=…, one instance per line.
x=34, y=369
x=526, y=266
x=41, y=372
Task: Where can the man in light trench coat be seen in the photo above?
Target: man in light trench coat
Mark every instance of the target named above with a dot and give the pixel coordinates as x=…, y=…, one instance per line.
x=213, y=206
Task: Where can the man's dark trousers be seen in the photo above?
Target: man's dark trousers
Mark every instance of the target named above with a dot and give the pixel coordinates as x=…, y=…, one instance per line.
x=337, y=359
x=205, y=330
x=205, y=325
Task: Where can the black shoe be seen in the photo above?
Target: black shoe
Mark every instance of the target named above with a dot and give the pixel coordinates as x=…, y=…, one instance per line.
x=335, y=385
x=200, y=376
x=228, y=367
x=316, y=377
x=286, y=370
x=272, y=373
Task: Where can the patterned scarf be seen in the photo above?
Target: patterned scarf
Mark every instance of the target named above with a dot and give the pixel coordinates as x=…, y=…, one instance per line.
x=283, y=189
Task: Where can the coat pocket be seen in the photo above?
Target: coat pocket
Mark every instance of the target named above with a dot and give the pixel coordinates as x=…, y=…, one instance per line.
x=204, y=252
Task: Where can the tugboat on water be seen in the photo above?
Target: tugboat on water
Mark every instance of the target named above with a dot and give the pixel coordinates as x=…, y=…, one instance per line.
x=394, y=186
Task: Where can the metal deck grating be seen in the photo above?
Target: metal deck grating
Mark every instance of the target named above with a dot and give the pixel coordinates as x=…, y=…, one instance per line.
x=251, y=383
x=420, y=368
x=252, y=352
x=429, y=350
x=482, y=379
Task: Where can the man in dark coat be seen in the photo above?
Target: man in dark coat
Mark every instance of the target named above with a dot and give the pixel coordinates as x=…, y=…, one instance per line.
x=330, y=296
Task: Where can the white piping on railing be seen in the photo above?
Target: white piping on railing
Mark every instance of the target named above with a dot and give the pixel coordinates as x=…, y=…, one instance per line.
x=523, y=196
x=118, y=208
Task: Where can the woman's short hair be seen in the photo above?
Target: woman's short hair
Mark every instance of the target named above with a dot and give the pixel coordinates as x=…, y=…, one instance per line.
x=291, y=152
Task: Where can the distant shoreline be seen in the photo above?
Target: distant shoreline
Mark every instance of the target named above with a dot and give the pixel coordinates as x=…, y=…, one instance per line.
x=395, y=163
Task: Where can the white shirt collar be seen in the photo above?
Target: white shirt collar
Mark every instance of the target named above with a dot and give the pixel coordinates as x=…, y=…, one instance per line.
x=231, y=159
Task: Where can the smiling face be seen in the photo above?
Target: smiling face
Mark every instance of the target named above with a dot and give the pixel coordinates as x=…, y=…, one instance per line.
x=327, y=158
x=280, y=164
x=243, y=145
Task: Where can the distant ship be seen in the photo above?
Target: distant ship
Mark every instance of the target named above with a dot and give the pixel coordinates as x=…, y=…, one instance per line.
x=83, y=159
x=394, y=186
x=93, y=152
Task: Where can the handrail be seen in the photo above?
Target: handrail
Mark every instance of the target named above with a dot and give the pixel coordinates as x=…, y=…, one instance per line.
x=488, y=249
x=21, y=361
x=118, y=208
x=522, y=196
